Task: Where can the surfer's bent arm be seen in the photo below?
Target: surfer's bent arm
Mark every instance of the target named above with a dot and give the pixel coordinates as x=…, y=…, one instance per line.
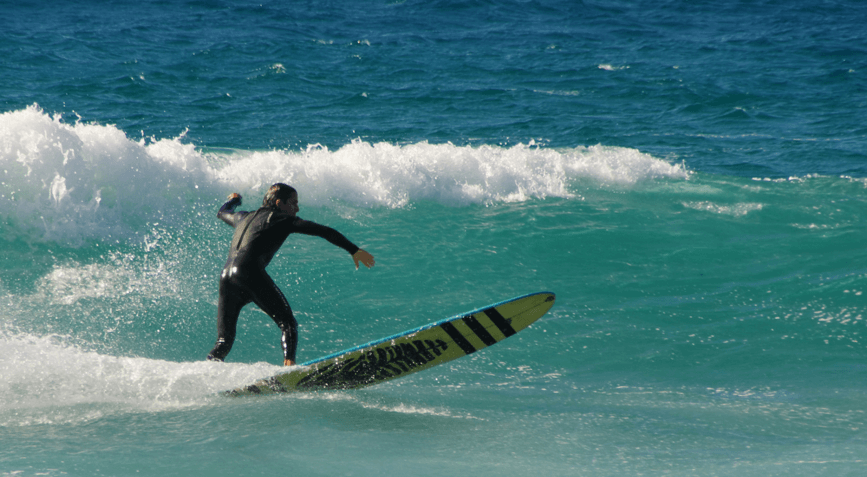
x=227, y=211
x=312, y=228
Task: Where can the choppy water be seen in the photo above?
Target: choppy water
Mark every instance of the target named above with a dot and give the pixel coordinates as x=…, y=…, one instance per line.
x=688, y=178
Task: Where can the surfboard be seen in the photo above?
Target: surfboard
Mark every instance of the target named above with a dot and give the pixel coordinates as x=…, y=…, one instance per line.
x=408, y=352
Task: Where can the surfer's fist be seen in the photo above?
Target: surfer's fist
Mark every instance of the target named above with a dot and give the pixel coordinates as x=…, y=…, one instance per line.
x=234, y=199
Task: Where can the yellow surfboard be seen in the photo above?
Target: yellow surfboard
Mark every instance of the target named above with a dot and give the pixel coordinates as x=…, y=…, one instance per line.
x=411, y=351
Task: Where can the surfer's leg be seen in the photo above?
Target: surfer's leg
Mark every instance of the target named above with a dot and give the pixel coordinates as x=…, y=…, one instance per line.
x=270, y=299
x=228, y=308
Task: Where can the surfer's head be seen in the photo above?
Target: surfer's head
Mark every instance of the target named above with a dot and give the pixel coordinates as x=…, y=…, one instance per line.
x=281, y=192
x=283, y=197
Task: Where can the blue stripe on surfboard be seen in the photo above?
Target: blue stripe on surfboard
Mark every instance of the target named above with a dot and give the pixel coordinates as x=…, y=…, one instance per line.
x=425, y=327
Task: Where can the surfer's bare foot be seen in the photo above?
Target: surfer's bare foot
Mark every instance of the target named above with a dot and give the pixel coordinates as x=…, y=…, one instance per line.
x=288, y=362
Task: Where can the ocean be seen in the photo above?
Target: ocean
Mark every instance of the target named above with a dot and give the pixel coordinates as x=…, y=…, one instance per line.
x=688, y=177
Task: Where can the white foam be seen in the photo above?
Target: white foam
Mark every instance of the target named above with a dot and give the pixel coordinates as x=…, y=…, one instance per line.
x=389, y=175
x=73, y=182
x=608, y=67
x=734, y=210
x=46, y=381
x=419, y=410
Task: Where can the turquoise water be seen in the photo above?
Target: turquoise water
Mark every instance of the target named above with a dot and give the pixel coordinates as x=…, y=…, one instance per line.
x=688, y=178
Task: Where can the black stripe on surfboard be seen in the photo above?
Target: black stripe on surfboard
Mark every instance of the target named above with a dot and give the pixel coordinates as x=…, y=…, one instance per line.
x=479, y=330
x=458, y=338
x=500, y=322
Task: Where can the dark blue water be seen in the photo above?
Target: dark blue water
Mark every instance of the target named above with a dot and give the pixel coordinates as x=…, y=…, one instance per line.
x=688, y=177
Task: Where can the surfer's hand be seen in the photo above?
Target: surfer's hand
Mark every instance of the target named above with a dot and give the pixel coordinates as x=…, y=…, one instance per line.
x=235, y=198
x=363, y=257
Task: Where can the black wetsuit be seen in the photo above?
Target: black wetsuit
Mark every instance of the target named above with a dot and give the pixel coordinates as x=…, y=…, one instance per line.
x=258, y=236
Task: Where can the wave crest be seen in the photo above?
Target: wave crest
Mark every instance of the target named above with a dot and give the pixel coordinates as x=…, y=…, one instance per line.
x=73, y=182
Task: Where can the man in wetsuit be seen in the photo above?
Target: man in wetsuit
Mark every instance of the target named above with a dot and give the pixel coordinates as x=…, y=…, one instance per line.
x=258, y=236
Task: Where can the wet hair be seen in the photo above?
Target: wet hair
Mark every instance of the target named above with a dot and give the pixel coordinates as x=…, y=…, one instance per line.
x=277, y=192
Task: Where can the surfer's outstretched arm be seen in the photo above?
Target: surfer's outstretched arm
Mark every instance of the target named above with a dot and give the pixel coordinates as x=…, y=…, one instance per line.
x=336, y=238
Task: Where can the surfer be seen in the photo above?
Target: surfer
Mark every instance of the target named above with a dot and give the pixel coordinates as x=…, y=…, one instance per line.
x=258, y=236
